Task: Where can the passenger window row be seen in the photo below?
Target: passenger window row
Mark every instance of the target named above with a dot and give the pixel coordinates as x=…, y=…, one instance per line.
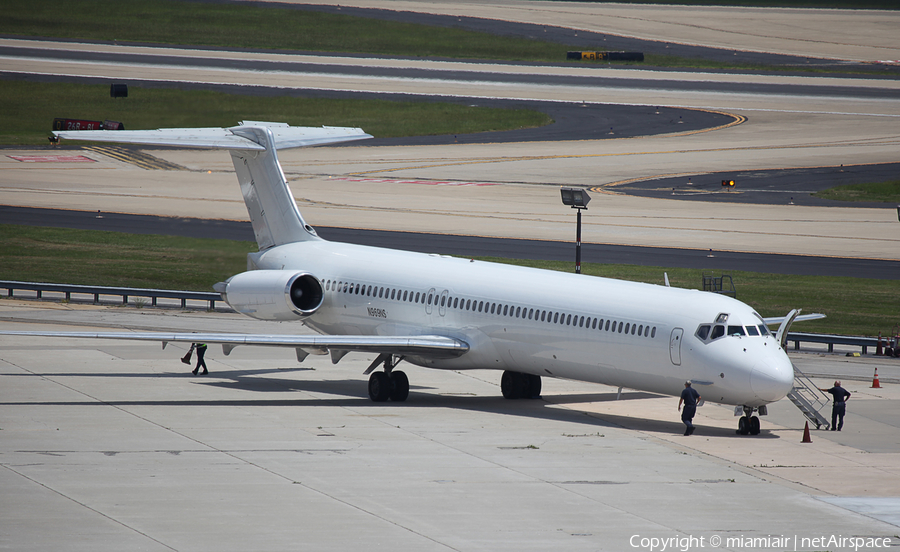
x=497, y=309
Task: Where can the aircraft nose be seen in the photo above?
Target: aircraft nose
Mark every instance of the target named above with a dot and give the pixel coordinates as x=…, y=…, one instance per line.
x=772, y=378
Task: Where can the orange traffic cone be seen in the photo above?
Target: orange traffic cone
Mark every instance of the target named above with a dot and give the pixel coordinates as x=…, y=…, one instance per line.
x=806, y=438
x=875, y=383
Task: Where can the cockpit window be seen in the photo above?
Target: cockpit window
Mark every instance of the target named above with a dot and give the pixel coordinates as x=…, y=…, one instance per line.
x=711, y=332
x=703, y=331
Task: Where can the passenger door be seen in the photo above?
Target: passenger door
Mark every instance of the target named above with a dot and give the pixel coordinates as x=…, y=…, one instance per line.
x=675, y=346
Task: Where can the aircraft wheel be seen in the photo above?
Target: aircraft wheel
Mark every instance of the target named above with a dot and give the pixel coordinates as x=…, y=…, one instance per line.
x=379, y=387
x=534, y=386
x=516, y=385
x=754, y=426
x=744, y=426
x=509, y=385
x=399, y=386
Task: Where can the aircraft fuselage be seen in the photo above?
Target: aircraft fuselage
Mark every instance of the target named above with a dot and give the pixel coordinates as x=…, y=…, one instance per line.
x=542, y=322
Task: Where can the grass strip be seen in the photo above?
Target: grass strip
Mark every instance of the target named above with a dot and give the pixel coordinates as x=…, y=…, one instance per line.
x=90, y=257
x=854, y=306
x=887, y=192
x=27, y=110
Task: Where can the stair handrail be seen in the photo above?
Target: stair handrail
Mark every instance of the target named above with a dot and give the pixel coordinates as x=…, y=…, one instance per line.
x=814, y=400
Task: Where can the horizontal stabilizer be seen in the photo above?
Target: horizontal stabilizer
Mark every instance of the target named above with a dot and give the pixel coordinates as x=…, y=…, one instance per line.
x=424, y=345
x=799, y=318
x=222, y=138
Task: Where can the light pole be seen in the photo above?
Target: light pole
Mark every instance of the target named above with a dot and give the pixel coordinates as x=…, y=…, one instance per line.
x=577, y=198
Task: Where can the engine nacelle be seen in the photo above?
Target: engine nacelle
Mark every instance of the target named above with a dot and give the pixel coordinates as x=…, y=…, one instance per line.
x=273, y=294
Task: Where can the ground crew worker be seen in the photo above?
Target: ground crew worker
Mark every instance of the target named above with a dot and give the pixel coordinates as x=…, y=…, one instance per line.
x=201, y=350
x=838, y=405
x=689, y=397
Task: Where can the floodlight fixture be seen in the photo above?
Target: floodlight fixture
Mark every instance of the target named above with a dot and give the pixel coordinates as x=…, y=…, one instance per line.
x=577, y=198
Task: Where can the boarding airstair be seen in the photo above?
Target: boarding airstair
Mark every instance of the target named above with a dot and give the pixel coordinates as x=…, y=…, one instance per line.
x=807, y=397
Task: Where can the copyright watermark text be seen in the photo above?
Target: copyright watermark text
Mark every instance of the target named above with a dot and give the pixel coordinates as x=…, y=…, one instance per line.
x=686, y=543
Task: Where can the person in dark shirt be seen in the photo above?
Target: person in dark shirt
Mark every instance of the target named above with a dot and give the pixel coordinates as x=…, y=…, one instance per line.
x=201, y=351
x=838, y=405
x=689, y=397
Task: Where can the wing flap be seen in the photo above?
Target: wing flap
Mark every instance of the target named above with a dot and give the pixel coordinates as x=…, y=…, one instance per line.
x=425, y=345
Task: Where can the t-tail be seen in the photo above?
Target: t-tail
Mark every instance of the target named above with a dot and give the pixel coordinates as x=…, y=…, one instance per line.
x=253, y=146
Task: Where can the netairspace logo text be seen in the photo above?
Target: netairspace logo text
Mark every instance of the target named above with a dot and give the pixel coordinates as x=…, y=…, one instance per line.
x=780, y=542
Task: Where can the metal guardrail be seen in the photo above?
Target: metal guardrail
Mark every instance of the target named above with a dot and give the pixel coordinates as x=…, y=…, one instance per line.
x=832, y=340
x=153, y=294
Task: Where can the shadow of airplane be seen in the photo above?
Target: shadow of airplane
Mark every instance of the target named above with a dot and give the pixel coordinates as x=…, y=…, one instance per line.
x=353, y=393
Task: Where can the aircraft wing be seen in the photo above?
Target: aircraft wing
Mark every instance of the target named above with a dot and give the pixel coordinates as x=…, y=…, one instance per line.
x=799, y=318
x=228, y=138
x=424, y=345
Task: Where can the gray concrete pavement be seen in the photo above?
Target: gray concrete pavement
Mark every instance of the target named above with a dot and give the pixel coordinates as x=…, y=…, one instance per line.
x=111, y=445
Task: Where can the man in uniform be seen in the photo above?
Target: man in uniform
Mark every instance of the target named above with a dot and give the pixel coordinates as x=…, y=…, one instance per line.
x=838, y=405
x=689, y=397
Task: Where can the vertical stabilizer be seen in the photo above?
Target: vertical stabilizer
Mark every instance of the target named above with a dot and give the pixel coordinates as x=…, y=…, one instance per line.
x=253, y=144
x=270, y=203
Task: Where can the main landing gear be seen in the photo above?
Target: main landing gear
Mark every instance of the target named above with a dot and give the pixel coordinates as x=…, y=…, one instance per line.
x=390, y=384
x=516, y=385
x=748, y=424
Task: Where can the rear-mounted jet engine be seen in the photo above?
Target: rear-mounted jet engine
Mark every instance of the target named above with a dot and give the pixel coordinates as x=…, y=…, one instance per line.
x=273, y=294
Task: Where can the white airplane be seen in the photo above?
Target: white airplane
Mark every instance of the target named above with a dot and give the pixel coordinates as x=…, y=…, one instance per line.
x=450, y=313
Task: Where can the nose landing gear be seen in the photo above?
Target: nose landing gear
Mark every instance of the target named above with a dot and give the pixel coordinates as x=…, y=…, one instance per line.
x=748, y=424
